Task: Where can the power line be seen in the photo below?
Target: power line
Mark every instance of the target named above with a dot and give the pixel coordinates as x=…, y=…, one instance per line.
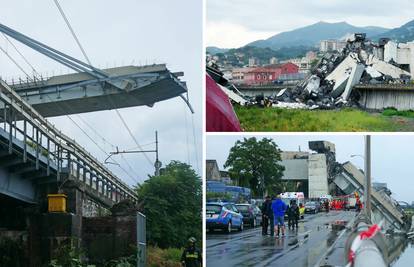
x=109, y=143
x=133, y=137
x=23, y=57
x=71, y=30
x=93, y=141
x=103, y=150
x=15, y=62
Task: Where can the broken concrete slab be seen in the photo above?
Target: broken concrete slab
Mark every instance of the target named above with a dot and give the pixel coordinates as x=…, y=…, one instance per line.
x=290, y=105
x=313, y=84
x=353, y=79
x=388, y=69
x=373, y=72
x=333, y=78
x=233, y=96
x=339, y=86
x=342, y=68
x=281, y=92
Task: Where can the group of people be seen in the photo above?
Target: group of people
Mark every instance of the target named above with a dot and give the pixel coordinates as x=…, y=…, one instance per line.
x=273, y=212
x=339, y=204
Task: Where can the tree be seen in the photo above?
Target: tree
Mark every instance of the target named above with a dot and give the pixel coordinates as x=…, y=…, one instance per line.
x=172, y=205
x=255, y=163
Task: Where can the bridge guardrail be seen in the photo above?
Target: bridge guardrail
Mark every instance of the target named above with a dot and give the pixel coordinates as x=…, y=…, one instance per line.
x=23, y=122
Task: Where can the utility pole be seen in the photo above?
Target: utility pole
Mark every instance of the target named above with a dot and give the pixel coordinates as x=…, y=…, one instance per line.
x=157, y=163
x=367, y=171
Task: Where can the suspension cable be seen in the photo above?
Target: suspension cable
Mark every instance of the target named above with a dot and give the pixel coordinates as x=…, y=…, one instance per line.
x=71, y=30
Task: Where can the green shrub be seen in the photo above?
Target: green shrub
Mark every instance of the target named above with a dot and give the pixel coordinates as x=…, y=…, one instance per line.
x=67, y=254
x=169, y=257
x=395, y=112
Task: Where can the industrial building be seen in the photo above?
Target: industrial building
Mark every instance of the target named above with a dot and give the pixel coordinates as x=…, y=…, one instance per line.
x=311, y=170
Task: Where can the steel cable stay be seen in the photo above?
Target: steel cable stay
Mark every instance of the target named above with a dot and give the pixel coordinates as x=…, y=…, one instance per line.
x=195, y=143
x=65, y=18
x=72, y=31
x=15, y=62
x=186, y=137
x=22, y=56
x=133, y=137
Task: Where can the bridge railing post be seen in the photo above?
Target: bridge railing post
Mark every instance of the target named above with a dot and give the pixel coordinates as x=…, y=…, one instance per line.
x=10, y=129
x=24, y=141
x=48, y=158
x=37, y=148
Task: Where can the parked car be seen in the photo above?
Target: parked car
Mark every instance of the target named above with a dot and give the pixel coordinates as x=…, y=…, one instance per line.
x=252, y=215
x=312, y=207
x=224, y=216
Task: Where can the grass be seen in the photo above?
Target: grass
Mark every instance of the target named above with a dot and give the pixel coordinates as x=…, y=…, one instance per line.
x=394, y=112
x=344, y=120
x=169, y=257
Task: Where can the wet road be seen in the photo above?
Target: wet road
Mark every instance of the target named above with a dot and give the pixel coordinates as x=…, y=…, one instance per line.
x=301, y=248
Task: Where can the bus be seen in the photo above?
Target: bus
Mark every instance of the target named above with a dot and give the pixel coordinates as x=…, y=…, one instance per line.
x=238, y=193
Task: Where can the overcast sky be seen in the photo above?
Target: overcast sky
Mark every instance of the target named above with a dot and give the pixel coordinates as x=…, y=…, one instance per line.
x=392, y=156
x=234, y=23
x=116, y=33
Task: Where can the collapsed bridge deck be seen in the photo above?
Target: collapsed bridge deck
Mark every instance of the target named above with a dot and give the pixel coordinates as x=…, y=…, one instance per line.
x=126, y=86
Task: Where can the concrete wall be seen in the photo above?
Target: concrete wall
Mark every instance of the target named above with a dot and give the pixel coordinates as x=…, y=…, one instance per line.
x=402, y=53
x=295, y=169
x=293, y=155
x=378, y=97
x=318, y=175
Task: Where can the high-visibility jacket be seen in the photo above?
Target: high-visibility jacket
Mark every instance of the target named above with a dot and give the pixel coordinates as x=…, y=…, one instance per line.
x=191, y=257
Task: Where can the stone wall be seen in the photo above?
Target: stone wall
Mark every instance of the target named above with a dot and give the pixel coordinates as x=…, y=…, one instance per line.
x=111, y=237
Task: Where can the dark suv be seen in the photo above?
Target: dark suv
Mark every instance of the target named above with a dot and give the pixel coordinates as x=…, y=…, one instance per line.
x=252, y=215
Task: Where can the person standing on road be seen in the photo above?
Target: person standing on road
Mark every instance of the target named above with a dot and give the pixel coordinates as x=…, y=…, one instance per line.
x=191, y=256
x=279, y=209
x=293, y=215
x=267, y=215
x=326, y=206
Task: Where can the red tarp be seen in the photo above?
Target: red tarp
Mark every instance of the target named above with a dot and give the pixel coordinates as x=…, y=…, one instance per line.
x=220, y=113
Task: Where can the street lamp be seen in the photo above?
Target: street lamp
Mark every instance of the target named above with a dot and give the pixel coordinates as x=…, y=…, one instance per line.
x=367, y=173
x=357, y=155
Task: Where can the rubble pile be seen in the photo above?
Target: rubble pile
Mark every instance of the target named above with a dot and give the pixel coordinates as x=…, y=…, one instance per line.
x=333, y=78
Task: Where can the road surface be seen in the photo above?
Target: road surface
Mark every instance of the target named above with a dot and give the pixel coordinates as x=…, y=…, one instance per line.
x=302, y=248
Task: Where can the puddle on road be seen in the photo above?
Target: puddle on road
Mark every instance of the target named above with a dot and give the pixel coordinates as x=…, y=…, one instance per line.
x=406, y=257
